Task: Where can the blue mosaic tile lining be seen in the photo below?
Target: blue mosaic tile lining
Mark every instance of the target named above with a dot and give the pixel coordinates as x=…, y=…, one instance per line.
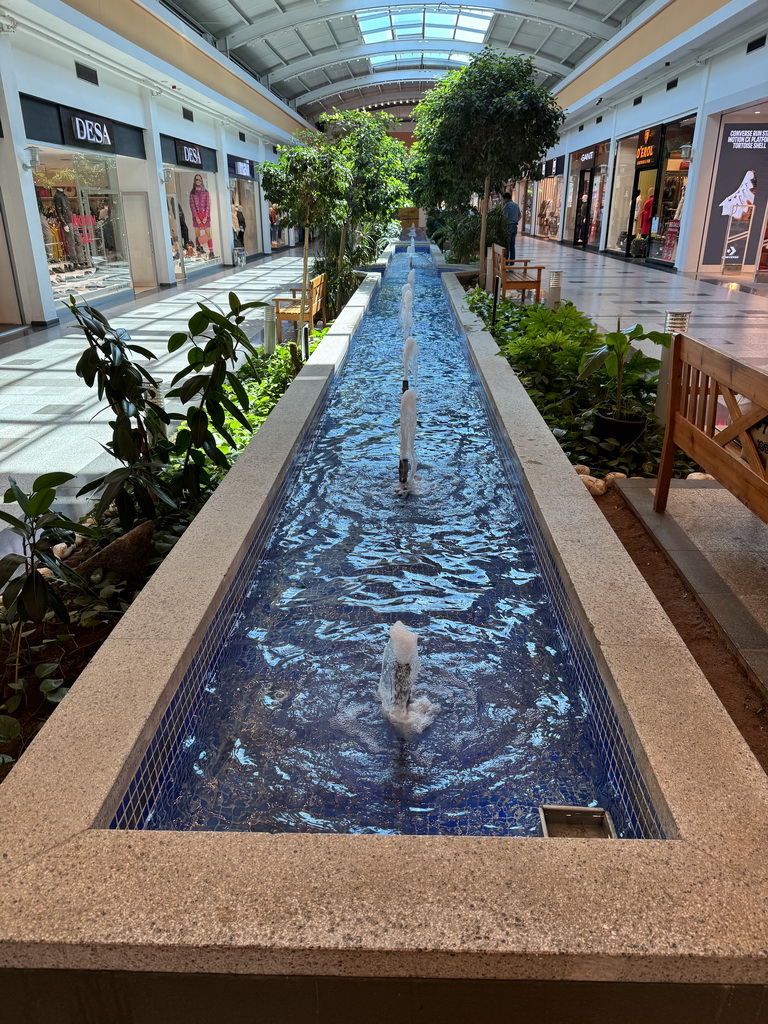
x=165, y=756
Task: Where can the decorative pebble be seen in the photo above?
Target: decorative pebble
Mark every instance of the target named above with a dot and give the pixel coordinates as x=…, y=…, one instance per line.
x=610, y=477
x=594, y=486
x=582, y=470
x=699, y=476
x=63, y=550
x=45, y=572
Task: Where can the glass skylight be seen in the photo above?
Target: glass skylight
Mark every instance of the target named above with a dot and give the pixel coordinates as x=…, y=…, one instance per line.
x=466, y=24
x=416, y=57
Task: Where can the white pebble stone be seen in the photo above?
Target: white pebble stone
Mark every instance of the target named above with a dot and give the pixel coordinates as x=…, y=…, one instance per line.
x=699, y=476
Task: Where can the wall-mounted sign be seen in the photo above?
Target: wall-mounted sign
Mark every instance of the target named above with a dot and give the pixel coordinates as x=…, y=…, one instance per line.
x=583, y=159
x=551, y=168
x=240, y=168
x=648, y=148
x=87, y=131
x=188, y=154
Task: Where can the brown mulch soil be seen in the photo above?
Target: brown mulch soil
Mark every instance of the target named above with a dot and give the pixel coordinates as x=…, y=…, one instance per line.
x=738, y=694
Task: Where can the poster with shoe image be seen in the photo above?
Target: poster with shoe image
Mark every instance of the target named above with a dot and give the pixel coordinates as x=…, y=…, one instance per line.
x=739, y=197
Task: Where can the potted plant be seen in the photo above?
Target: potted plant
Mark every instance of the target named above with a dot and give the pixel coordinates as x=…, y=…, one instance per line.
x=628, y=367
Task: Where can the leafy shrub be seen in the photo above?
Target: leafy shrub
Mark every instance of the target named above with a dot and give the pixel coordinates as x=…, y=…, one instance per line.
x=545, y=348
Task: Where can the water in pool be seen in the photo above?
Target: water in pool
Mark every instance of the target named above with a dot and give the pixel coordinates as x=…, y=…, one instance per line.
x=292, y=737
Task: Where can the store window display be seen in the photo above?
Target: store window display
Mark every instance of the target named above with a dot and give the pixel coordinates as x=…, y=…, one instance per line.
x=81, y=223
x=192, y=219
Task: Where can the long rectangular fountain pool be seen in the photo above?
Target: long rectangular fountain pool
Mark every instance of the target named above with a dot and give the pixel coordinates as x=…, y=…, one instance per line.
x=277, y=724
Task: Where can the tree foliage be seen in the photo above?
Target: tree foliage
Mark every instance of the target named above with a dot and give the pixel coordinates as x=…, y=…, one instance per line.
x=479, y=126
x=309, y=183
x=376, y=189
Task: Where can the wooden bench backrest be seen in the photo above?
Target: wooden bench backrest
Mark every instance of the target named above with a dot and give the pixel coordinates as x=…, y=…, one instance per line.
x=316, y=292
x=704, y=385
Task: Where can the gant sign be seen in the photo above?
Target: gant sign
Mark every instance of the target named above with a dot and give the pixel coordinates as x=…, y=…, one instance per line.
x=87, y=131
x=188, y=154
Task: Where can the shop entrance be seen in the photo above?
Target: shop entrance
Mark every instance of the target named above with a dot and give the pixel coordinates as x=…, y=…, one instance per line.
x=141, y=252
x=641, y=213
x=10, y=309
x=583, y=206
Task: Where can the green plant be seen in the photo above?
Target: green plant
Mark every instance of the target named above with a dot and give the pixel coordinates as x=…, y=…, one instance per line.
x=545, y=348
x=620, y=361
x=463, y=237
x=481, y=125
x=309, y=183
x=139, y=421
x=218, y=342
x=27, y=594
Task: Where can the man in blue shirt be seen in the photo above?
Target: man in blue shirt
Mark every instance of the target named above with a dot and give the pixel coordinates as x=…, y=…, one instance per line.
x=512, y=212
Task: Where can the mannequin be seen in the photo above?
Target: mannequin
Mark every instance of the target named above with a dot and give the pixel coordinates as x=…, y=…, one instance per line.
x=238, y=224
x=72, y=242
x=200, y=206
x=646, y=214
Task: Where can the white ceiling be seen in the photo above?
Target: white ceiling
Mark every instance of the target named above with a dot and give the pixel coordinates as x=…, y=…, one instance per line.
x=317, y=54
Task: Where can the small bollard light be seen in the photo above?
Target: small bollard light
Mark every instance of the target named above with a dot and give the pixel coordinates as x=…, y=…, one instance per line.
x=270, y=331
x=496, y=290
x=677, y=321
x=553, y=295
x=305, y=343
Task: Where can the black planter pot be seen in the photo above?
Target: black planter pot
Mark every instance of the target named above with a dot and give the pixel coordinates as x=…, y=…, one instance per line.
x=623, y=431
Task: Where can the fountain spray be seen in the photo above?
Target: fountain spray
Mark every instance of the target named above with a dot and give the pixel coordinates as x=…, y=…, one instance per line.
x=410, y=362
x=408, y=462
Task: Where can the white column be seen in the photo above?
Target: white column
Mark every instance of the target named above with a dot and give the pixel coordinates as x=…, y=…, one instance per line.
x=20, y=199
x=158, y=208
x=222, y=197
x=266, y=234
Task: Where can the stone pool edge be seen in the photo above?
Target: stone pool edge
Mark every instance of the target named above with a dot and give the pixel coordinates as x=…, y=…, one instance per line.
x=81, y=896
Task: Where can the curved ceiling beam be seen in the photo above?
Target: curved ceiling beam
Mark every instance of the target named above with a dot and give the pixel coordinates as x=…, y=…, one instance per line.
x=357, y=50
x=306, y=14
x=394, y=102
x=379, y=78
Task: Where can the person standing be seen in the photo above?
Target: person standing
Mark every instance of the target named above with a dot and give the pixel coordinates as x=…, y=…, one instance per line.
x=511, y=211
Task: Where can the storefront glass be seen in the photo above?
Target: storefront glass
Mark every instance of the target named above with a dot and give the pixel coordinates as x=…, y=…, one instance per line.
x=649, y=191
x=82, y=224
x=670, y=190
x=193, y=220
x=548, y=213
x=621, y=196
x=244, y=205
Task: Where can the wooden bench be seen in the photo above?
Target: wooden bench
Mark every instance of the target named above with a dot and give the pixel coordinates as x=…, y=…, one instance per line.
x=290, y=309
x=515, y=275
x=714, y=401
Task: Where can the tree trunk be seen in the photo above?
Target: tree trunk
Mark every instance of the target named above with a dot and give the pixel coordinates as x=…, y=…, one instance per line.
x=484, y=228
x=342, y=245
x=304, y=285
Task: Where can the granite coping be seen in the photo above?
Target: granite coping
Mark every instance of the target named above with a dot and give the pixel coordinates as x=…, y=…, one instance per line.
x=689, y=909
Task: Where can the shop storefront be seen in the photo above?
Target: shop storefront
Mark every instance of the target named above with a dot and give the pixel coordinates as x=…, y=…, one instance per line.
x=91, y=183
x=650, y=180
x=191, y=173
x=244, y=203
x=549, y=198
x=585, y=199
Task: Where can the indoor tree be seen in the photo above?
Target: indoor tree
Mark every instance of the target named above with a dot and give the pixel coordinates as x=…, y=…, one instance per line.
x=309, y=184
x=481, y=125
x=377, y=187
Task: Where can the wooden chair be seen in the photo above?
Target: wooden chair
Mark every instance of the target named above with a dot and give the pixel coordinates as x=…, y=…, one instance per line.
x=515, y=275
x=705, y=386
x=290, y=309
